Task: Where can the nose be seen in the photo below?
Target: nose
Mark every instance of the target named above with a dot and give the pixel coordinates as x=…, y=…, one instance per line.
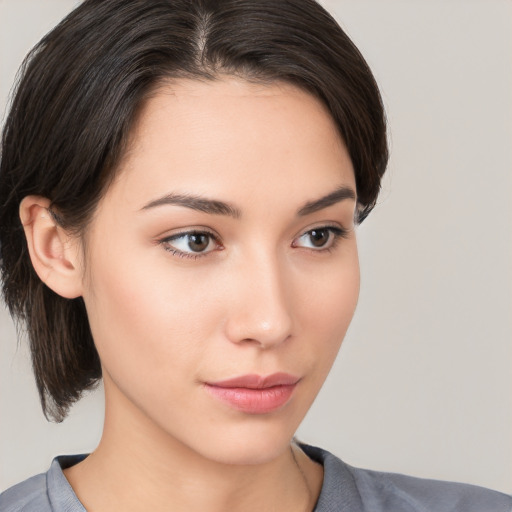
x=260, y=311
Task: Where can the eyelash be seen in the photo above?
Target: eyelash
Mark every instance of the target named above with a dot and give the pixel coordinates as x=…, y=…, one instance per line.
x=191, y=255
x=336, y=232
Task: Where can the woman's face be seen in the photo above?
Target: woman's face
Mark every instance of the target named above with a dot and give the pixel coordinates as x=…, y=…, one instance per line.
x=225, y=248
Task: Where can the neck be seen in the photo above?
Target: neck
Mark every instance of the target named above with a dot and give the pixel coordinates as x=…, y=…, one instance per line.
x=138, y=466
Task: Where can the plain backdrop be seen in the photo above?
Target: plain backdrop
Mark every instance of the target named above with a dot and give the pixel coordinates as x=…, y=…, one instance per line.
x=423, y=382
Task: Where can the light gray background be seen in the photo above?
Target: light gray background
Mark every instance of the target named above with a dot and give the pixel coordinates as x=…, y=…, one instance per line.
x=423, y=384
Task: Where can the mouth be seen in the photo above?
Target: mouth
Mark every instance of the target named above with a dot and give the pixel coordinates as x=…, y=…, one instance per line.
x=254, y=394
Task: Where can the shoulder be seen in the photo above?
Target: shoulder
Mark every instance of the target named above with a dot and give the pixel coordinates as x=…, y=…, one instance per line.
x=47, y=492
x=362, y=490
x=390, y=491
x=26, y=496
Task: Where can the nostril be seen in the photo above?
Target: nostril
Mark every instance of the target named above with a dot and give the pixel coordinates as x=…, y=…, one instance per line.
x=247, y=328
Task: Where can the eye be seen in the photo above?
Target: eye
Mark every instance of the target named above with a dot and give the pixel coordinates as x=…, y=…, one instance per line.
x=321, y=238
x=190, y=244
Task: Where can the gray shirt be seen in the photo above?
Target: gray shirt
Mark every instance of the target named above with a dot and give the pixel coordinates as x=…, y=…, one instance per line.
x=344, y=489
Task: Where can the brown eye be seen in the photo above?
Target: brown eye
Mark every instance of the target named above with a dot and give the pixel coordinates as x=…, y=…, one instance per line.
x=192, y=243
x=198, y=242
x=319, y=237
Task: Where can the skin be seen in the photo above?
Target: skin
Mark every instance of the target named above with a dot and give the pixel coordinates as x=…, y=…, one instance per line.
x=260, y=299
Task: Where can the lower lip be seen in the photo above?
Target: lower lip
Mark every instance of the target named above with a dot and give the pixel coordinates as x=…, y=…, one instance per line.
x=253, y=401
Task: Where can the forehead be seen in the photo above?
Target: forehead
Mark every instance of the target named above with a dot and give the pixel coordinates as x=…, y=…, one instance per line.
x=230, y=136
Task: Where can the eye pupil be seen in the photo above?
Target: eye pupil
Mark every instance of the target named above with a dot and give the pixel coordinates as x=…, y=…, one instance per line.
x=319, y=237
x=198, y=242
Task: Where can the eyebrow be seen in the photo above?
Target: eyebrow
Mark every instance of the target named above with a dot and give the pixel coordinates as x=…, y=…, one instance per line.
x=216, y=207
x=198, y=203
x=340, y=194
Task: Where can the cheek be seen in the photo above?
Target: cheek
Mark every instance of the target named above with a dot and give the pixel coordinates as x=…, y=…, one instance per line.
x=328, y=307
x=342, y=294
x=142, y=316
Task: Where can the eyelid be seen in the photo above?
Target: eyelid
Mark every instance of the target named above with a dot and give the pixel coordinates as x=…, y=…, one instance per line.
x=336, y=230
x=334, y=226
x=165, y=242
x=190, y=231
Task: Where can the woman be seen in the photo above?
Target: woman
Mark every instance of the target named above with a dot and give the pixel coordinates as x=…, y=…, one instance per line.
x=178, y=218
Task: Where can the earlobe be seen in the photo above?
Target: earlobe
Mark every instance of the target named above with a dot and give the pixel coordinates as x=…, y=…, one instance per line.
x=54, y=254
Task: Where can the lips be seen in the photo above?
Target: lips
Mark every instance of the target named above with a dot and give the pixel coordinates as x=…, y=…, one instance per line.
x=254, y=394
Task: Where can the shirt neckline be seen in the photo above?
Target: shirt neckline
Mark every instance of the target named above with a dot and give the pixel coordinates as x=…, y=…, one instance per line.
x=338, y=492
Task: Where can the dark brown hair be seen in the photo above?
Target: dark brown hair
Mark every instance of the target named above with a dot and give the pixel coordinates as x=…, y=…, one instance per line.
x=76, y=100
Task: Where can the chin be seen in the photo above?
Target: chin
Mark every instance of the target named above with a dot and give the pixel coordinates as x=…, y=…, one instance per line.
x=250, y=452
x=257, y=442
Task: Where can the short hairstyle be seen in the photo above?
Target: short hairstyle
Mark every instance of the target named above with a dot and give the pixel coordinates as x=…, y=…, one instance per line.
x=77, y=97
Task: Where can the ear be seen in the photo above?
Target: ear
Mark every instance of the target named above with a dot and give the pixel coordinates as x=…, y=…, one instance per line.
x=54, y=253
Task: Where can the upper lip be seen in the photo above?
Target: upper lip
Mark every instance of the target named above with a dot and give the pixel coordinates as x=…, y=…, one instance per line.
x=254, y=381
